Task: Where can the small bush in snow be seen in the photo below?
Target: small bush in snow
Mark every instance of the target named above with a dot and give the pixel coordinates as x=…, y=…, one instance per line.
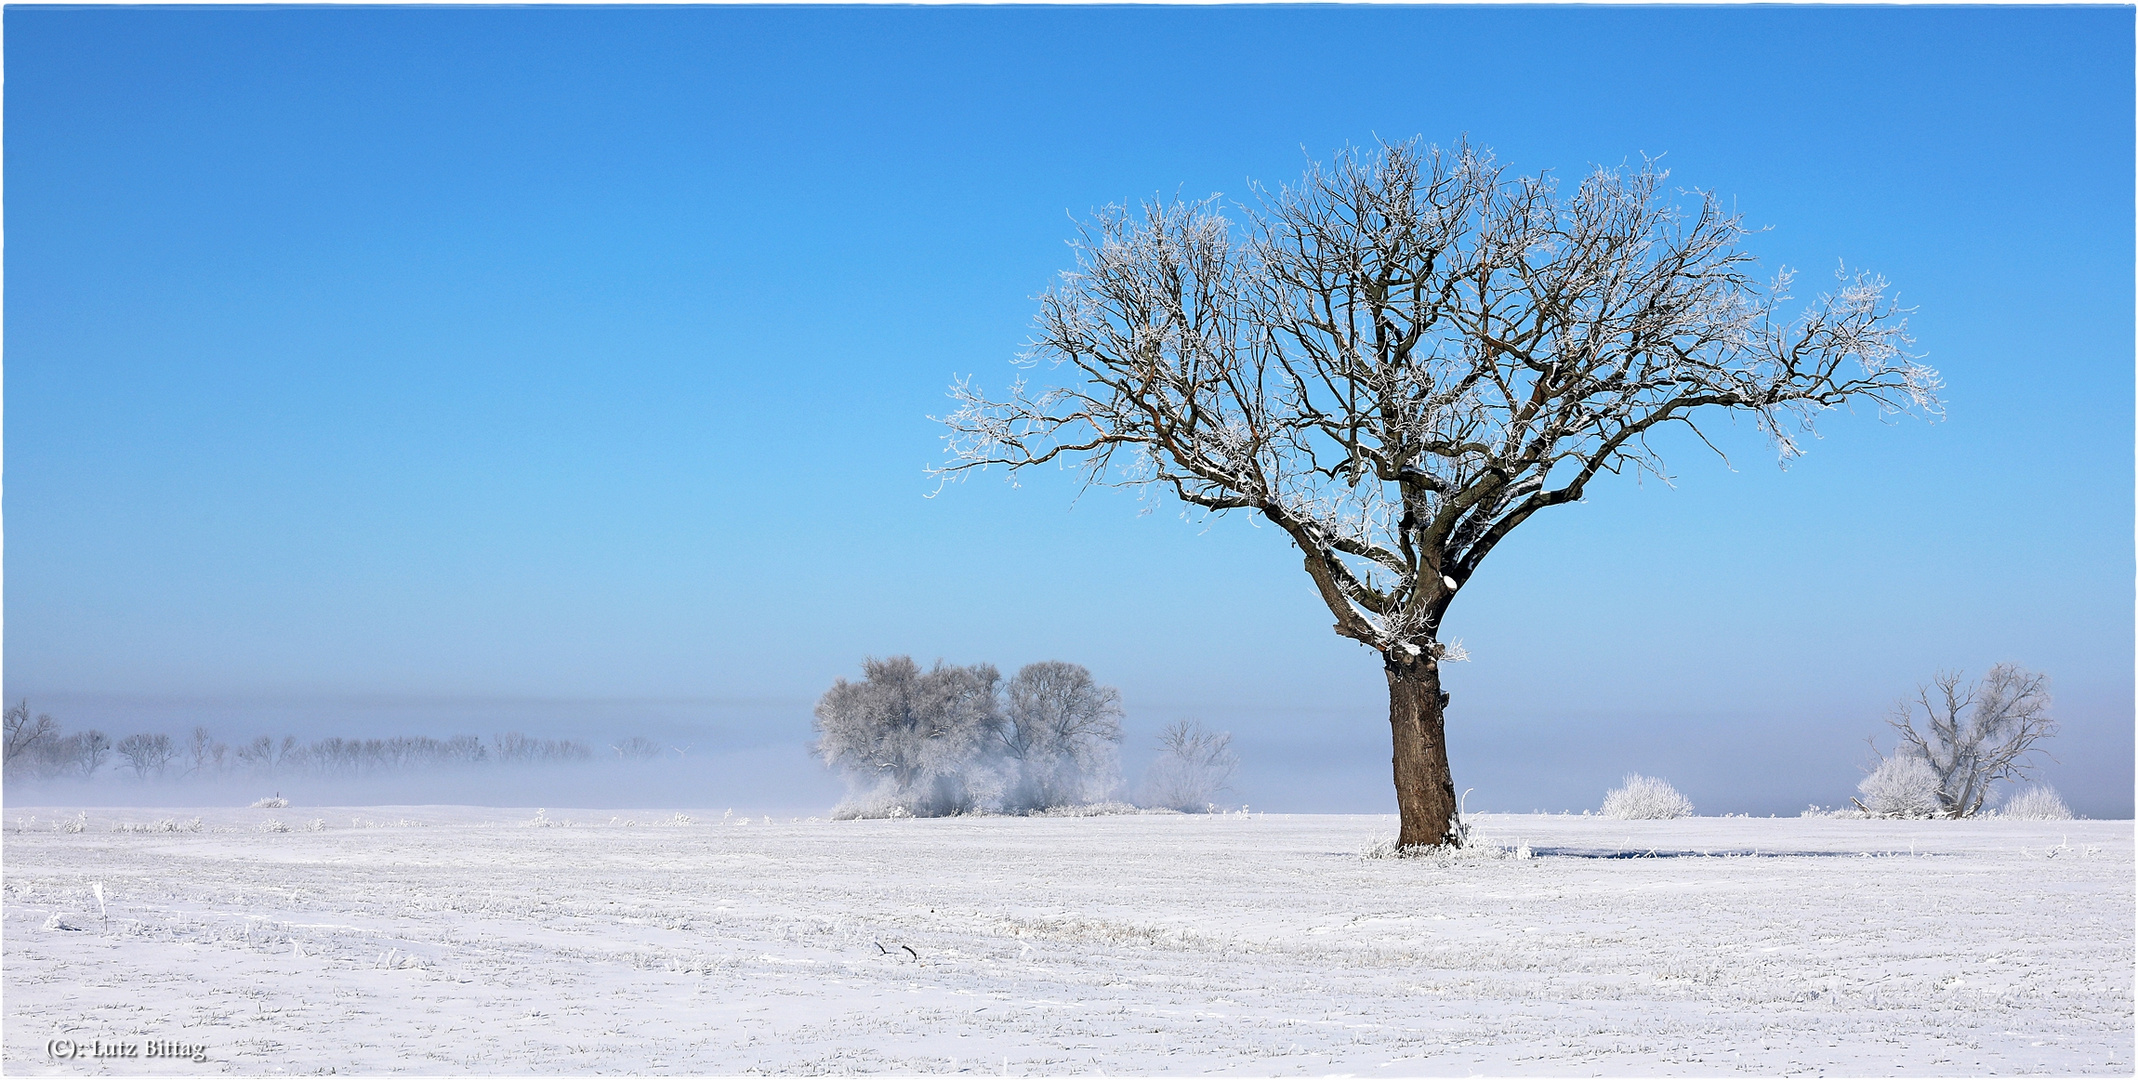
x=272, y=802
x=1902, y=786
x=1646, y=798
x=2040, y=803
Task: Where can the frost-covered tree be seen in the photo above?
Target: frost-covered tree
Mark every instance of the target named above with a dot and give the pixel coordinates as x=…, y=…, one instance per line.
x=911, y=741
x=147, y=753
x=1193, y=765
x=1976, y=735
x=1063, y=731
x=1405, y=357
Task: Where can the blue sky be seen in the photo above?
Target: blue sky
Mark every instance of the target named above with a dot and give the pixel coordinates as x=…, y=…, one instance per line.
x=407, y=368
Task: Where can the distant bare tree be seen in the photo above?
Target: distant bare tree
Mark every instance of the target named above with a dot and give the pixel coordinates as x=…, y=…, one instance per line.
x=266, y=755
x=638, y=748
x=201, y=750
x=84, y=752
x=1193, y=765
x=259, y=753
x=147, y=753
x=1405, y=357
x=1976, y=735
x=27, y=738
x=1064, y=731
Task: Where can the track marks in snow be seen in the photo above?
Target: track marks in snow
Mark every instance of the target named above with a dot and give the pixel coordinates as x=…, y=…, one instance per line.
x=456, y=940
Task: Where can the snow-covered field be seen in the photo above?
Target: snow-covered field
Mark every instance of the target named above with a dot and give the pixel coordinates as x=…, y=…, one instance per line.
x=456, y=940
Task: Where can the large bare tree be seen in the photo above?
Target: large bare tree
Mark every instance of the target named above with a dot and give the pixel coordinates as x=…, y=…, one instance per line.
x=1405, y=356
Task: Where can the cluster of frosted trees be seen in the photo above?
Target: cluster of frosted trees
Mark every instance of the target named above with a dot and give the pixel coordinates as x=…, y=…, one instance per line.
x=1955, y=742
x=955, y=740
x=37, y=748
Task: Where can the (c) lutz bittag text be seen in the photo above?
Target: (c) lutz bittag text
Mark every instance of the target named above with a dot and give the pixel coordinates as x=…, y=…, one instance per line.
x=162, y=1049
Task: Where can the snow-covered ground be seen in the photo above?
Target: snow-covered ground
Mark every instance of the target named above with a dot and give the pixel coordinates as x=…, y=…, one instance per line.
x=456, y=940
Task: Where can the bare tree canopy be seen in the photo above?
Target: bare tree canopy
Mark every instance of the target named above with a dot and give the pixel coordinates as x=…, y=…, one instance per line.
x=26, y=737
x=1064, y=731
x=147, y=753
x=1193, y=765
x=1405, y=356
x=1977, y=735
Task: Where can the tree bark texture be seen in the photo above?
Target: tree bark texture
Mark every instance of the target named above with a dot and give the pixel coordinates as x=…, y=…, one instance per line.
x=1425, y=788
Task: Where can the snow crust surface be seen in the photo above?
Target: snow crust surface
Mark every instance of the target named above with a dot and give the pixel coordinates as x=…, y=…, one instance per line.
x=470, y=940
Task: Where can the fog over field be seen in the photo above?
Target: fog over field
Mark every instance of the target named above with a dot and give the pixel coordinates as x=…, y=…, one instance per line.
x=753, y=756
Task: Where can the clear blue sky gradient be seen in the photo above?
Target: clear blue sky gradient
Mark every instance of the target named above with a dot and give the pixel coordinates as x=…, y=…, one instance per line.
x=442, y=356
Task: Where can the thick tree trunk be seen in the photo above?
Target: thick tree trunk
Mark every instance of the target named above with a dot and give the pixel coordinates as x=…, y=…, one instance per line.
x=1425, y=788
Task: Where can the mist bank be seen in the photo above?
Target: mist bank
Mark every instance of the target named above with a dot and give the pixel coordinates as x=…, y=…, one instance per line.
x=754, y=755
x=760, y=780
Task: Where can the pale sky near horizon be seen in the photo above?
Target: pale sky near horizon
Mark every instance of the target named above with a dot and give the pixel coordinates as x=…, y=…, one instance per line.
x=384, y=368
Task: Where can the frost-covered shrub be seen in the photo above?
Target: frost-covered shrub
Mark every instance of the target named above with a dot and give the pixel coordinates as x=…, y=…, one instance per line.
x=1902, y=786
x=272, y=802
x=1645, y=798
x=2039, y=803
x=1193, y=765
x=1063, y=731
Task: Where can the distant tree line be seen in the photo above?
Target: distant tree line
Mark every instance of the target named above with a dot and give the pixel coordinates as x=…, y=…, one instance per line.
x=37, y=748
